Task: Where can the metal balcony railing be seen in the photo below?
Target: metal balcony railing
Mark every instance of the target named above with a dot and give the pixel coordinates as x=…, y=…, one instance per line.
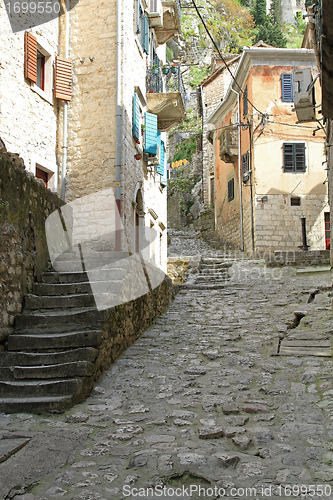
x=160, y=83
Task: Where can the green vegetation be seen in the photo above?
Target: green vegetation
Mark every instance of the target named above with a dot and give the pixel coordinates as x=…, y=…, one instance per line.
x=268, y=28
x=186, y=148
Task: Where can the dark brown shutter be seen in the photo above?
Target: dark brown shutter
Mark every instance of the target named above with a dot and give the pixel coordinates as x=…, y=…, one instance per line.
x=30, y=57
x=63, y=78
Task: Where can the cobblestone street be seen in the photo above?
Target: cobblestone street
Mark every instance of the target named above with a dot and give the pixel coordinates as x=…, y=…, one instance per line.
x=228, y=390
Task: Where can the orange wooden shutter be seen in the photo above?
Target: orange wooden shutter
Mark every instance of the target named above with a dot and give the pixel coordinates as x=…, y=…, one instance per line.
x=30, y=57
x=63, y=78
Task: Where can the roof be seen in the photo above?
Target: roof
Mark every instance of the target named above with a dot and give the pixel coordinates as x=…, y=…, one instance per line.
x=232, y=60
x=256, y=56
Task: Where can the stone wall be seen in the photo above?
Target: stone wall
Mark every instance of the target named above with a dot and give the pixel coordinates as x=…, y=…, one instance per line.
x=92, y=141
x=278, y=224
x=24, y=205
x=123, y=324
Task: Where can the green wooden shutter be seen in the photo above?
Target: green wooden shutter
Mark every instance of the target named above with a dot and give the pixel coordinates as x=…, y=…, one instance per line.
x=136, y=117
x=287, y=87
x=288, y=157
x=245, y=102
x=160, y=167
x=146, y=34
x=299, y=156
x=151, y=133
x=163, y=164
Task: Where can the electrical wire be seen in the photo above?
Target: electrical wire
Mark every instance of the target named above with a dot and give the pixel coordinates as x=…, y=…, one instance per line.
x=219, y=53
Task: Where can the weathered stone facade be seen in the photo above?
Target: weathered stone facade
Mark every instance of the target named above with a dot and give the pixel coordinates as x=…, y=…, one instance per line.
x=25, y=203
x=93, y=114
x=28, y=115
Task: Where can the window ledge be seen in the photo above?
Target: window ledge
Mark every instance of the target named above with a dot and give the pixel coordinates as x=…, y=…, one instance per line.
x=138, y=44
x=44, y=95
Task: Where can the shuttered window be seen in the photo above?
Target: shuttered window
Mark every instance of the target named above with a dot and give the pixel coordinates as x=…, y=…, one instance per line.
x=143, y=29
x=151, y=133
x=63, y=78
x=30, y=57
x=160, y=167
x=287, y=87
x=136, y=117
x=164, y=164
x=294, y=157
x=231, y=189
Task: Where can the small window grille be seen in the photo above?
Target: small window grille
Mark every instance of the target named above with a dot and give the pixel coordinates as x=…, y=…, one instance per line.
x=231, y=189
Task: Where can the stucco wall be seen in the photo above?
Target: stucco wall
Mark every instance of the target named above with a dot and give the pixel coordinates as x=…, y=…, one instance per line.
x=28, y=122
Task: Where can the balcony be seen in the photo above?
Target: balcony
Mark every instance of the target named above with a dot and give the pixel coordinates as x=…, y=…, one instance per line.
x=228, y=144
x=172, y=15
x=166, y=97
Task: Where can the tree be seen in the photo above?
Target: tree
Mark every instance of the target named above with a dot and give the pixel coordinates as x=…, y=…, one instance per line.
x=259, y=12
x=275, y=12
x=269, y=27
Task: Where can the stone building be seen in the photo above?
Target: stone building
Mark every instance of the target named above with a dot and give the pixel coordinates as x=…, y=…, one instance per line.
x=28, y=109
x=210, y=93
x=86, y=103
x=319, y=37
x=269, y=171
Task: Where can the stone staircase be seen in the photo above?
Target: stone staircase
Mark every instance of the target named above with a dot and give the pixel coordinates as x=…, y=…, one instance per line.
x=50, y=360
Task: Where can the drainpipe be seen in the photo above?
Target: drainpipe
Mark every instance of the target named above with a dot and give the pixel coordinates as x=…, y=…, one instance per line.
x=251, y=187
x=65, y=114
x=119, y=130
x=240, y=173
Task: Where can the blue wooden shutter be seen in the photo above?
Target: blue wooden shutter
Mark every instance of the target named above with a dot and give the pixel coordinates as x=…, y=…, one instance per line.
x=146, y=34
x=136, y=117
x=159, y=168
x=151, y=133
x=287, y=87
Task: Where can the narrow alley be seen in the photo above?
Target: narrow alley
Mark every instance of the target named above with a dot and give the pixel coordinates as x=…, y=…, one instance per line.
x=227, y=394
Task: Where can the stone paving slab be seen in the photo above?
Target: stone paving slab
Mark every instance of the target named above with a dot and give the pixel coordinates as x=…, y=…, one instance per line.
x=203, y=369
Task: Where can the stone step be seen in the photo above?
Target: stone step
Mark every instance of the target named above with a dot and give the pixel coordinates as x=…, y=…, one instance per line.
x=63, y=278
x=54, y=320
x=215, y=265
x=33, y=302
x=61, y=370
x=18, y=358
x=59, y=289
x=91, y=255
x=41, y=387
x=72, y=276
x=35, y=342
x=55, y=404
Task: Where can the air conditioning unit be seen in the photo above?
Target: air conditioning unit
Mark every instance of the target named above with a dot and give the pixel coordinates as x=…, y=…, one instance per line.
x=304, y=95
x=155, y=13
x=153, y=159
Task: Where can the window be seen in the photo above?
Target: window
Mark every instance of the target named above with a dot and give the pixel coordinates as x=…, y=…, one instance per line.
x=41, y=174
x=245, y=102
x=40, y=70
x=287, y=87
x=294, y=157
x=143, y=28
x=231, y=189
x=211, y=189
x=295, y=201
x=245, y=166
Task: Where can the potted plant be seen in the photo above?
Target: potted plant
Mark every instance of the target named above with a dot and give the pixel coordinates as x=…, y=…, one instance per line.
x=138, y=156
x=154, y=69
x=174, y=69
x=165, y=69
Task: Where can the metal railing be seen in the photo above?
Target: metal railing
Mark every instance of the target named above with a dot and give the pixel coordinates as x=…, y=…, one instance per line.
x=158, y=83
